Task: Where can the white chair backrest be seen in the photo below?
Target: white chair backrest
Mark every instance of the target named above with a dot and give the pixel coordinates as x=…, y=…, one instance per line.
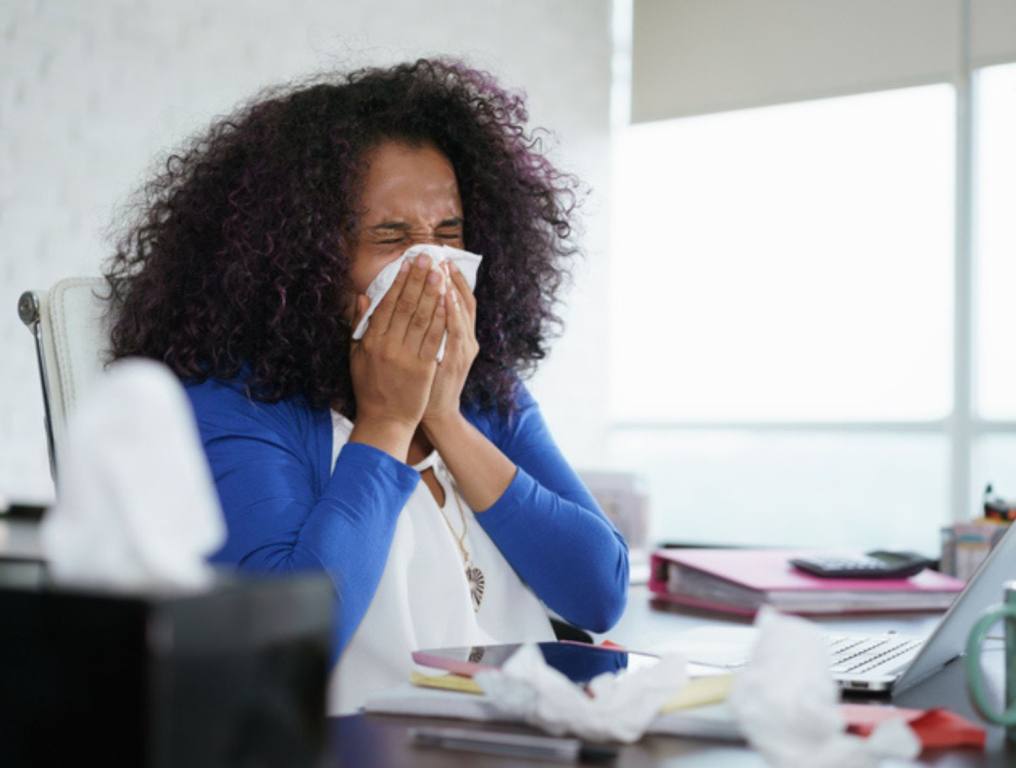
x=72, y=340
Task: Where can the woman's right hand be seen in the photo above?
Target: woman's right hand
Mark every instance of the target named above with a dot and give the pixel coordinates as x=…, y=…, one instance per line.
x=393, y=365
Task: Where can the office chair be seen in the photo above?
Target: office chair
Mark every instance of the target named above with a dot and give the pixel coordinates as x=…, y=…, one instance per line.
x=71, y=337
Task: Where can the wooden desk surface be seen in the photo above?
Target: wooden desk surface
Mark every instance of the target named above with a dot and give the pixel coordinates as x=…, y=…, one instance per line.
x=366, y=741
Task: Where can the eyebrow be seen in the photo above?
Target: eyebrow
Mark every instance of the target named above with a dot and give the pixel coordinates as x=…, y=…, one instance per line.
x=402, y=225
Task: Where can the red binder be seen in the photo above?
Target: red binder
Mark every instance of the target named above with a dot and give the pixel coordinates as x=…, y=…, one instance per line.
x=740, y=581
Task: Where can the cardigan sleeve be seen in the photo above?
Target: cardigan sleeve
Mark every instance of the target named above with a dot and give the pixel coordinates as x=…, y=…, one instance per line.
x=278, y=522
x=551, y=530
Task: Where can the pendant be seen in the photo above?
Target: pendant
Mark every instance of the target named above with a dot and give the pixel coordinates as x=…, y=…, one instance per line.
x=476, y=582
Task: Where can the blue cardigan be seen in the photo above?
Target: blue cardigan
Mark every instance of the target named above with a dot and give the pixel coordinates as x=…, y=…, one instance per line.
x=286, y=510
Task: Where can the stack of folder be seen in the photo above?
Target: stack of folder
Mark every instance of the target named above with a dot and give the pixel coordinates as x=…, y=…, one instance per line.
x=740, y=581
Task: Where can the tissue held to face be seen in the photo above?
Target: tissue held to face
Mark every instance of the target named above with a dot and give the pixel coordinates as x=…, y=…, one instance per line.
x=410, y=195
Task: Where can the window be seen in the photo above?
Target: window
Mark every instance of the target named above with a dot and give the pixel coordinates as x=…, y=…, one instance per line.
x=994, y=456
x=995, y=241
x=782, y=319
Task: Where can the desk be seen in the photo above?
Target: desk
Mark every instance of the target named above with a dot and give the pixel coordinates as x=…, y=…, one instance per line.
x=376, y=741
x=372, y=741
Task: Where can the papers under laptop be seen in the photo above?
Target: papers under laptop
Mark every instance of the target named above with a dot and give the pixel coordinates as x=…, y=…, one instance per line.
x=881, y=662
x=859, y=662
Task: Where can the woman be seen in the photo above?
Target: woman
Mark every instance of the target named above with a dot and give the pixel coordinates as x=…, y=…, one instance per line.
x=246, y=273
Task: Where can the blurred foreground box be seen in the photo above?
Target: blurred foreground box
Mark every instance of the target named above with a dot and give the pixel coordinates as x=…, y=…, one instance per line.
x=234, y=675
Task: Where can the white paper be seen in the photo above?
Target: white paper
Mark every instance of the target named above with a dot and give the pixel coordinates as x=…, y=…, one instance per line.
x=136, y=505
x=621, y=709
x=468, y=263
x=787, y=703
x=721, y=646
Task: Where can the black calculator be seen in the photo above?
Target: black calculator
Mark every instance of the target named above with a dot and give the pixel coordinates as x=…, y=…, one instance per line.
x=878, y=564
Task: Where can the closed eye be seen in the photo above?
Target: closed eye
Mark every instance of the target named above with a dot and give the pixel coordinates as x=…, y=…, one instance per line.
x=389, y=234
x=450, y=229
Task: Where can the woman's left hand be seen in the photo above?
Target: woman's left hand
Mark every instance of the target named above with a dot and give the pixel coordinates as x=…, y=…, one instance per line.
x=461, y=349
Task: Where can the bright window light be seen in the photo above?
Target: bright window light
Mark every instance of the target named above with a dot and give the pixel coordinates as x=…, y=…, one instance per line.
x=995, y=242
x=861, y=490
x=787, y=263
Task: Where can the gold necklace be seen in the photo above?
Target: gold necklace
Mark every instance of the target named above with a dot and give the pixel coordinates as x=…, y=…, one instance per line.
x=474, y=576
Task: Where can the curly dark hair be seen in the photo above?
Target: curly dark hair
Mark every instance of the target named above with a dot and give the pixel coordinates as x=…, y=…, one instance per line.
x=237, y=256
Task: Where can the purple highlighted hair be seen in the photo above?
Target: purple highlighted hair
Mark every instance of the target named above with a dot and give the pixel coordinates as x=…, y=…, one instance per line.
x=238, y=252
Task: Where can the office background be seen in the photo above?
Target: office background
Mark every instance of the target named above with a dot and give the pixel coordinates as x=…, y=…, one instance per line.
x=793, y=317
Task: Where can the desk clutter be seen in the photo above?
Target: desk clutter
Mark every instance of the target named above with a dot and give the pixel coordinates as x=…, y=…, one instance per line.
x=741, y=581
x=783, y=702
x=965, y=545
x=136, y=651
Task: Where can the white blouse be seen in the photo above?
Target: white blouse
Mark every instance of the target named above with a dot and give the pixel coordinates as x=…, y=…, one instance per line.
x=423, y=599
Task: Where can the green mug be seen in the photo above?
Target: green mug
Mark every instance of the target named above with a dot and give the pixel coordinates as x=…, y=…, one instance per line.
x=975, y=681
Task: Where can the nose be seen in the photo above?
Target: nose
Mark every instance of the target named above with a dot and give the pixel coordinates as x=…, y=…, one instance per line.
x=423, y=238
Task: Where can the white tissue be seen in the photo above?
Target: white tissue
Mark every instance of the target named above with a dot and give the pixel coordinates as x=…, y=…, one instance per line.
x=136, y=507
x=621, y=709
x=787, y=703
x=468, y=263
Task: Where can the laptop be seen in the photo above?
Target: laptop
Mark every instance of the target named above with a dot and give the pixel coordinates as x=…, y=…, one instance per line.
x=889, y=662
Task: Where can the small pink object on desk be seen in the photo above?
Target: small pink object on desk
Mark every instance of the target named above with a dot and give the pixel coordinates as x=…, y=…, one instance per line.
x=740, y=581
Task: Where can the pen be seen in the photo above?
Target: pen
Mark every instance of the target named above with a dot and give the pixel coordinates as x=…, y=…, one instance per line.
x=511, y=744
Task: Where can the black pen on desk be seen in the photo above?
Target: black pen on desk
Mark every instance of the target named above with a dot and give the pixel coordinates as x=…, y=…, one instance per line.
x=512, y=744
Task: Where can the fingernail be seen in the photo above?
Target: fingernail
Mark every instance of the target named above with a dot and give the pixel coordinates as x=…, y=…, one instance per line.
x=404, y=266
x=422, y=260
x=433, y=277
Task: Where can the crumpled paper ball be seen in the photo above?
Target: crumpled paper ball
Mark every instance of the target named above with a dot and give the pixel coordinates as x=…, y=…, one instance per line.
x=787, y=704
x=620, y=709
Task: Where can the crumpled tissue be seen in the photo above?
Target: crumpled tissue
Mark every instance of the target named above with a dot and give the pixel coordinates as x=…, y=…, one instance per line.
x=621, y=708
x=787, y=704
x=136, y=506
x=468, y=263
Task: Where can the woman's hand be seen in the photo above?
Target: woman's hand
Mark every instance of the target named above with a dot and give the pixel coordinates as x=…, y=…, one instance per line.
x=393, y=366
x=481, y=471
x=460, y=352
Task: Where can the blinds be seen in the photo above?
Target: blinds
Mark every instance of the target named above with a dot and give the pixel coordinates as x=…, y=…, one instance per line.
x=699, y=56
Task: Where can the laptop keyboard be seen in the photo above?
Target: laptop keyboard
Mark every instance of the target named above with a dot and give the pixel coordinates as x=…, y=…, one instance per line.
x=854, y=654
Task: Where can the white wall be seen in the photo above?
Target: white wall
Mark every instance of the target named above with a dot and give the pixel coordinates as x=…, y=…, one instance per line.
x=92, y=92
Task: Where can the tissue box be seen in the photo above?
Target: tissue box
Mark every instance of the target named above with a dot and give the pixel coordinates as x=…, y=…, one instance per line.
x=235, y=675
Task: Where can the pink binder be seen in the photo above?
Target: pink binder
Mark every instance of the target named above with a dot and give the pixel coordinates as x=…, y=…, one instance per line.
x=742, y=580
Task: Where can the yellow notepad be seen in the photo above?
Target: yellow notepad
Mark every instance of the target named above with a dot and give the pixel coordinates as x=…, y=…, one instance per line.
x=447, y=682
x=697, y=693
